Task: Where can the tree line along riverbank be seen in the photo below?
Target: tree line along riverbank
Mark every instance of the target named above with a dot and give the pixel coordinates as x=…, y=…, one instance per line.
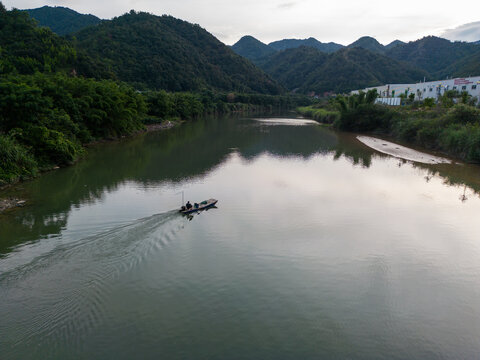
x=46, y=120
x=451, y=126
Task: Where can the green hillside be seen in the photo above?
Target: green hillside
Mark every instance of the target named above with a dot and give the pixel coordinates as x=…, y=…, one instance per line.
x=467, y=66
x=310, y=42
x=26, y=48
x=62, y=20
x=163, y=52
x=435, y=55
x=393, y=44
x=306, y=69
x=252, y=48
x=368, y=43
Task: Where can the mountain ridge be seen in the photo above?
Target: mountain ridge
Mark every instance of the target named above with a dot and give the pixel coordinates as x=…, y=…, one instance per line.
x=252, y=48
x=163, y=52
x=312, y=42
x=62, y=20
x=306, y=70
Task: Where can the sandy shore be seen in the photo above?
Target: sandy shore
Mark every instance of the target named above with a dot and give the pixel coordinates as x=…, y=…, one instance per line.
x=400, y=151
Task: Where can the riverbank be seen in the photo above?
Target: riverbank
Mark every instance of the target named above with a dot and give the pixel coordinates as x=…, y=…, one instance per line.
x=453, y=131
x=9, y=202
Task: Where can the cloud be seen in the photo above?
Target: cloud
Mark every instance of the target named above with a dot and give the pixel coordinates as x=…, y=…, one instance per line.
x=342, y=21
x=467, y=32
x=286, y=5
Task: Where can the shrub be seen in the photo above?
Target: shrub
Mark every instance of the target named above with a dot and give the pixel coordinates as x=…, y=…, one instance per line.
x=463, y=114
x=16, y=163
x=321, y=115
x=51, y=147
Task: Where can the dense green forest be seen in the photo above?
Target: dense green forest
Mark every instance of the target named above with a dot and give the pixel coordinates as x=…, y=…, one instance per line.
x=298, y=69
x=393, y=44
x=26, y=48
x=451, y=126
x=163, y=52
x=368, y=43
x=307, y=69
x=310, y=42
x=62, y=20
x=439, y=57
x=55, y=98
x=252, y=48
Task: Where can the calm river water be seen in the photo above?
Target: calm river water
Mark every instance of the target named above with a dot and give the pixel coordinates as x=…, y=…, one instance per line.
x=320, y=248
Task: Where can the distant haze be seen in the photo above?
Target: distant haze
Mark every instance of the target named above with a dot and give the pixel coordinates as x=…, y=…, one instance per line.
x=269, y=20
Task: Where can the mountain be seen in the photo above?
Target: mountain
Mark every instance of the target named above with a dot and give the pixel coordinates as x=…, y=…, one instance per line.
x=252, y=48
x=433, y=54
x=62, y=20
x=163, y=52
x=27, y=48
x=310, y=42
x=306, y=69
x=393, y=44
x=464, y=67
x=368, y=43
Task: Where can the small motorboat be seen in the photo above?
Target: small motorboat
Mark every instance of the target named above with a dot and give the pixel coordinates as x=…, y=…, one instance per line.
x=206, y=204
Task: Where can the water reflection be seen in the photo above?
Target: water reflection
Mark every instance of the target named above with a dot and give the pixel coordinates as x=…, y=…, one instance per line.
x=185, y=153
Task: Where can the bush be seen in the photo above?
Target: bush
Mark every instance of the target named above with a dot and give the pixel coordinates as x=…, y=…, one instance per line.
x=463, y=114
x=365, y=117
x=321, y=115
x=51, y=147
x=16, y=163
x=429, y=102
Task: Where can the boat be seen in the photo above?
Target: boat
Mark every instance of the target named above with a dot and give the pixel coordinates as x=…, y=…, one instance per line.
x=206, y=204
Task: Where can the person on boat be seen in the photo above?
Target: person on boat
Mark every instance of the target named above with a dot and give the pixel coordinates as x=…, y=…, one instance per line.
x=188, y=206
x=195, y=206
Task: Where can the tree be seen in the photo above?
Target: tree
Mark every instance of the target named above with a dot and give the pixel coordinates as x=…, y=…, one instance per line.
x=429, y=102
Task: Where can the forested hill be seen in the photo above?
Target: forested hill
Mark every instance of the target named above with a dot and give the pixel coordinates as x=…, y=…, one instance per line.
x=393, y=44
x=311, y=42
x=62, y=20
x=368, y=43
x=163, y=52
x=439, y=57
x=26, y=48
x=307, y=69
x=252, y=48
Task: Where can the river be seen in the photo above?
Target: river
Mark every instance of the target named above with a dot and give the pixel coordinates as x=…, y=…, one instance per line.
x=319, y=248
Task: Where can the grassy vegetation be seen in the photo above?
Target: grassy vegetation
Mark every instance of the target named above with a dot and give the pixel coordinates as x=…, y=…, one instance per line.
x=320, y=114
x=452, y=126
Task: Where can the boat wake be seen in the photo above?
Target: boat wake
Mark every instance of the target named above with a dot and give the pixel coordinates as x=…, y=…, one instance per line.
x=45, y=296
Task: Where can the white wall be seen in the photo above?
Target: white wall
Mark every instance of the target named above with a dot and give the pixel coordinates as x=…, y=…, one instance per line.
x=431, y=89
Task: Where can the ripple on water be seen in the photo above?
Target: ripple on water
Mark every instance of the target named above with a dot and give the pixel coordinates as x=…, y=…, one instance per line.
x=68, y=286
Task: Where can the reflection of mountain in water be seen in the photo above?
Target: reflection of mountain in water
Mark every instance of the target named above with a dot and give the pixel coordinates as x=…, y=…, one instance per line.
x=186, y=152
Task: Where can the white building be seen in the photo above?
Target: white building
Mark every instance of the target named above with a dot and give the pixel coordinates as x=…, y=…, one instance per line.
x=431, y=89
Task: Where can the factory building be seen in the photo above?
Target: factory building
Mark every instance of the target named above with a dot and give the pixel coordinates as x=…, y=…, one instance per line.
x=431, y=89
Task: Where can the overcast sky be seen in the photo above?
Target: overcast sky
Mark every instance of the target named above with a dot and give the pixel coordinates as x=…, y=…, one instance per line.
x=269, y=20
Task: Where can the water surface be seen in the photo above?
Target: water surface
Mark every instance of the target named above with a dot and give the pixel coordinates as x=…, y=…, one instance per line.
x=320, y=248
